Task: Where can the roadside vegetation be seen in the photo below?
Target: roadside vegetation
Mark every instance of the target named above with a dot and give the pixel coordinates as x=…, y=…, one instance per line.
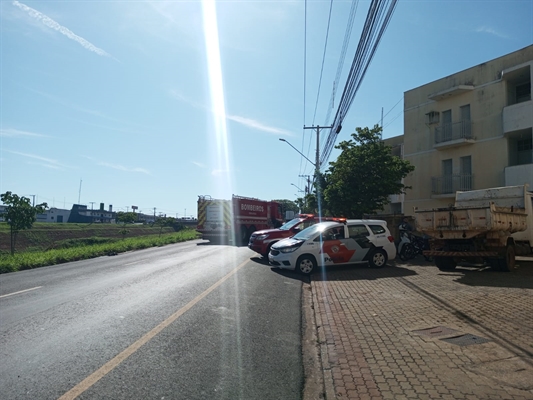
x=85, y=248
x=50, y=244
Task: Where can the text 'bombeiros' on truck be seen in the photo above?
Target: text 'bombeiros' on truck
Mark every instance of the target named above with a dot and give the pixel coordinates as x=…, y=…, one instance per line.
x=233, y=221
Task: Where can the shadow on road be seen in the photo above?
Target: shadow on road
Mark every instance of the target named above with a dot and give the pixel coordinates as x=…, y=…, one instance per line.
x=360, y=272
x=341, y=272
x=521, y=277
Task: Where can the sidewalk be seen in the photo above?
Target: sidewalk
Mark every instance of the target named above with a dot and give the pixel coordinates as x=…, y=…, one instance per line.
x=381, y=331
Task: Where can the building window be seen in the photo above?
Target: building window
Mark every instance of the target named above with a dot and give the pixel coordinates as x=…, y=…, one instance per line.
x=465, y=178
x=525, y=151
x=466, y=125
x=447, y=176
x=523, y=92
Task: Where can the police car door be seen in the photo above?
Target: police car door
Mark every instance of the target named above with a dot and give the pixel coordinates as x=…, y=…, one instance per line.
x=334, y=248
x=359, y=241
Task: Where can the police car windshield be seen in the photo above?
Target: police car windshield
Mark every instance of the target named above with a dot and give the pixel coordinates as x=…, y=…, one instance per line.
x=310, y=231
x=288, y=225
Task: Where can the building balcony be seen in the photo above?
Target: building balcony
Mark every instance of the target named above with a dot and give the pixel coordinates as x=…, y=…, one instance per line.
x=454, y=91
x=518, y=116
x=519, y=175
x=446, y=185
x=453, y=135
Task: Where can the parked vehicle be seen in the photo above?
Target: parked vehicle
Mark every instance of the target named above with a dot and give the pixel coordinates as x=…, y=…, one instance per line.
x=488, y=225
x=412, y=245
x=335, y=243
x=233, y=221
x=261, y=241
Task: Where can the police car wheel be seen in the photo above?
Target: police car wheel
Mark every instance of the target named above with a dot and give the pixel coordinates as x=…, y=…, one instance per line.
x=377, y=259
x=305, y=264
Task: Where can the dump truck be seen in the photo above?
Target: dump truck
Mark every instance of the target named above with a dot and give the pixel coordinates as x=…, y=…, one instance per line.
x=489, y=226
x=233, y=221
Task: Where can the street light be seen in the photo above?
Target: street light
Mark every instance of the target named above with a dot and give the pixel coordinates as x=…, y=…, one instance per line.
x=314, y=165
x=297, y=187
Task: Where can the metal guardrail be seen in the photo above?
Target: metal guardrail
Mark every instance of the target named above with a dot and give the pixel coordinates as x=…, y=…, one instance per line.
x=453, y=131
x=447, y=184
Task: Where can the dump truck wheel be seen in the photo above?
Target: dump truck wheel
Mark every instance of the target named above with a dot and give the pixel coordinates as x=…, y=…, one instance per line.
x=508, y=262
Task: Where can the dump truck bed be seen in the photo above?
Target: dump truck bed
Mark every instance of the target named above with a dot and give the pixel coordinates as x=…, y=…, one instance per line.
x=465, y=223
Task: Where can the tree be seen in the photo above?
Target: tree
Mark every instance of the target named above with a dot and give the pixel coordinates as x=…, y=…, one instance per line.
x=364, y=175
x=287, y=205
x=19, y=214
x=164, y=221
x=126, y=218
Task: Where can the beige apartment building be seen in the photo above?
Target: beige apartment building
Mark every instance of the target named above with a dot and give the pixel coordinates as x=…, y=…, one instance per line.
x=470, y=130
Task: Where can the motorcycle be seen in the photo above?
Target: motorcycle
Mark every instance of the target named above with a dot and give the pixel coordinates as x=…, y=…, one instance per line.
x=412, y=245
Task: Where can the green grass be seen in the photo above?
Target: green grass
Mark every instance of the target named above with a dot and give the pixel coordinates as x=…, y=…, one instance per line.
x=82, y=249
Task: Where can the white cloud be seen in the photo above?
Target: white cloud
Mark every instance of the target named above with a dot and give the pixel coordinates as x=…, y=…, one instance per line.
x=199, y=164
x=49, y=22
x=123, y=168
x=16, y=133
x=248, y=122
x=251, y=123
x=486, y=29
x=46, y=162
x=49, y=166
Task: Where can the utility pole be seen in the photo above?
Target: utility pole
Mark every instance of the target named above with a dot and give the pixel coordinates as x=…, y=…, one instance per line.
x=32, y=195
x=308, y=187
x=92, y=203
x=317, y=167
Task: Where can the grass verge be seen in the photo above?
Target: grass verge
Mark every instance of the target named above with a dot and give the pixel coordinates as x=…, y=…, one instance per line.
x=29, y=260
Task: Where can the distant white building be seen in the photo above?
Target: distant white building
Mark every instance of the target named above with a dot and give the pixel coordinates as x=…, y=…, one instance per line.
x=54, y=215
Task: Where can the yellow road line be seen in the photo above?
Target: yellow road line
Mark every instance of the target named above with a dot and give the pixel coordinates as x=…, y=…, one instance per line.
x=113, y=363
x=20, y=291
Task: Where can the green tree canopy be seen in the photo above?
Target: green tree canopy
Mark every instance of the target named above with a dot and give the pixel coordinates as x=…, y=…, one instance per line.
x=19, y=214
x=126, y=217
x=163, y=222
x=287, y=205
x=364, y=175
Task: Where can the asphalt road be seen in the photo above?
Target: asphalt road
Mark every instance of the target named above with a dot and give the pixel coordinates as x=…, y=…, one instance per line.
x=185, y=321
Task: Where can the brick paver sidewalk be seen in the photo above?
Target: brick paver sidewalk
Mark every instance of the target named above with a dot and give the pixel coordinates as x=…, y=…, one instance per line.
x=380, y=332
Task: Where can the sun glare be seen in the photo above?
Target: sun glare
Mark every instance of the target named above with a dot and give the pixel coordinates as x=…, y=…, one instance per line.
x=216, y=87
x=220, y=133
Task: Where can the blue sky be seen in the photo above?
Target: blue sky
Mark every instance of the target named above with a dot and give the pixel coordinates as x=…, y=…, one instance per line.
x=152, y=103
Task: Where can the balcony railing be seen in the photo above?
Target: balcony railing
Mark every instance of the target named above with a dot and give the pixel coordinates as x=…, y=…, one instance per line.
x=453, y=131
x=448, y=184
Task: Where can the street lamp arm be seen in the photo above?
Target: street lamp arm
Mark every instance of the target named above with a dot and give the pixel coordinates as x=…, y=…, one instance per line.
x=283, y=140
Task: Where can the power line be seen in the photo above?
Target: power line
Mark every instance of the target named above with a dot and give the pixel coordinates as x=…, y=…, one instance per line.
x=323, y=59
x=342, y=57
x=375, y=25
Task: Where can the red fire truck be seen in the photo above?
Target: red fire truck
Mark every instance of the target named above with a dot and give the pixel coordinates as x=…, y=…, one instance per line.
x=233, y=221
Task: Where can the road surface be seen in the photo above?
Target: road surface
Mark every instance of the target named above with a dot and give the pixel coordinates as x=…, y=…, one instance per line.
x=184, y=321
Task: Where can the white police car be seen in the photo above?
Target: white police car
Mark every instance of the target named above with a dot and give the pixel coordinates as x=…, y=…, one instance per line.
x=335, y=243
